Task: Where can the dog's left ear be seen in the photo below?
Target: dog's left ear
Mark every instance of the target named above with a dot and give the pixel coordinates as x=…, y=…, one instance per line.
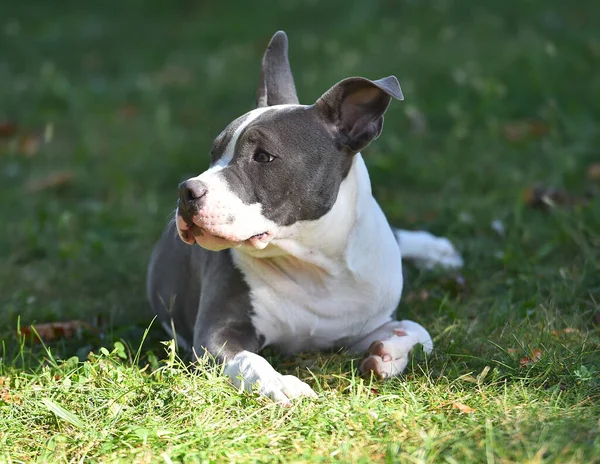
x=276, y=86
x=356, y=107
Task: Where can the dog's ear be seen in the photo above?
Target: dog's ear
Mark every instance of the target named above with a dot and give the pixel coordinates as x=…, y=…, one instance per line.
x=356, y=106
x=276, y=86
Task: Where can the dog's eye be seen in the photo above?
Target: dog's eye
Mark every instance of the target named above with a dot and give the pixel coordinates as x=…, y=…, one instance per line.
x=262, y=157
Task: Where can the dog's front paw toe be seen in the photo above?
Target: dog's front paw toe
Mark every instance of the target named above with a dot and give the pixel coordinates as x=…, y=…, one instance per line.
x=385, y=358
x=374, y=365
x=286, y=388
x=296, y=388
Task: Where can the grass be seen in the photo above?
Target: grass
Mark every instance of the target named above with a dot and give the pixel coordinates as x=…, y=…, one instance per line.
x=123, y=99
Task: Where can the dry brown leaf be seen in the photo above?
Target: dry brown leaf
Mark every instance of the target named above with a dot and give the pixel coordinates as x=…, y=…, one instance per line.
x=129, y=111
x=511, y=351
x=421, y=295
x=513, y=132
x=593, y=171
x=463, y=408
x=56, y=330
x=543, y=197
x=9, y=398
x=51, y=181
x=521, y=130
x=535, y=356
x=538, y=128
x=7, y=129
x=29, y=145
x=568, y=330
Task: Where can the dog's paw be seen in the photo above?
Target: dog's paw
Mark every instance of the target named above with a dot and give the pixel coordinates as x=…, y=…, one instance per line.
x=438, y=252
x=389, y=357
x=382, y=361
x=284, y=388
x=249, y=371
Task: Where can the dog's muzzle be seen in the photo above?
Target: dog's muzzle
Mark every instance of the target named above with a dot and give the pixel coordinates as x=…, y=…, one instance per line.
x=196, y=224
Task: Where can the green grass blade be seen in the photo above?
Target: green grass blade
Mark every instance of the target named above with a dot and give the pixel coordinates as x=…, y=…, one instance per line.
x=61, y=412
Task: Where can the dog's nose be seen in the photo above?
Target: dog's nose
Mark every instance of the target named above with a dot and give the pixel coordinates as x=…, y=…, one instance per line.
x=191, y=191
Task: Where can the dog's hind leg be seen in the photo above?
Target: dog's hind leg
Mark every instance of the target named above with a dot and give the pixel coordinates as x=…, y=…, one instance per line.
x=428, y=251
x=388, y=347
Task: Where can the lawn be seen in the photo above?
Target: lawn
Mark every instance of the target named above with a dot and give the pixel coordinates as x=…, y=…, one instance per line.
x=106, y=106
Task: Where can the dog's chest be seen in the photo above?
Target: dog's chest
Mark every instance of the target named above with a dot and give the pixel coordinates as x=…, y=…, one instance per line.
x=300, y=307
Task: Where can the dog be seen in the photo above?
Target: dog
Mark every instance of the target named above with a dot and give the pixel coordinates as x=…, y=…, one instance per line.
x=294, y=251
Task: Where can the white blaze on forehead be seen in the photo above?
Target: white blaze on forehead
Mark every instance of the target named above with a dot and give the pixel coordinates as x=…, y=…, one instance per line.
x=229, y=151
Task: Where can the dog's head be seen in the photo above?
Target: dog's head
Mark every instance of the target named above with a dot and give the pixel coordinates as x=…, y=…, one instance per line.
x=282, y=162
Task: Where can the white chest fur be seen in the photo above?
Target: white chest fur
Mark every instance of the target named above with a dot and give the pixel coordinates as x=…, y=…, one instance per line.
x=328, y=282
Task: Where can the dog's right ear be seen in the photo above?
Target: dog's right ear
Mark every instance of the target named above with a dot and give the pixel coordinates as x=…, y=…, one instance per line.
x=276, y=86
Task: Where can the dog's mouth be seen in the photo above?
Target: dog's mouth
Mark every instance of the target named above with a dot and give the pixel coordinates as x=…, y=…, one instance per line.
x=213, y=238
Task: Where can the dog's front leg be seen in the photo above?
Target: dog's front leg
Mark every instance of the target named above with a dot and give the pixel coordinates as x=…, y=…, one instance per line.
x=248, y=370
x=235, y=344
x=389, y=346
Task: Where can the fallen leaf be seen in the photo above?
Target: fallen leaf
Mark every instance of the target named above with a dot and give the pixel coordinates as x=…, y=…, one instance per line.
x=542, y=197
x=545, y=198
x=7, y=129
x=51, y=181
x=463, y=408
x=9, y=398
x=513, y=132
x=511, y=351
x=29, y=145
x=421, y=295
x=593, y=171
x=568, y=330
x=56, y=330
x=537, y=128
x=129, y=111
x=520, y=130
x=535, y=356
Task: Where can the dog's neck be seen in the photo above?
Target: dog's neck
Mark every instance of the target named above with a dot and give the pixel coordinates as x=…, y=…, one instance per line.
x=323, y=243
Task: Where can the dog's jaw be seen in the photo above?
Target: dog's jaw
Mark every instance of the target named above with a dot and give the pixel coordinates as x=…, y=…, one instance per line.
x=215, y=238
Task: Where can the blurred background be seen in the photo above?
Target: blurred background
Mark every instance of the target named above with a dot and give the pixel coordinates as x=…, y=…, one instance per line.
x=106, y=106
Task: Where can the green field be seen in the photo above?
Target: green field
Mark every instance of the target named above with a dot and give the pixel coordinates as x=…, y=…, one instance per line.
x=106, y=106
